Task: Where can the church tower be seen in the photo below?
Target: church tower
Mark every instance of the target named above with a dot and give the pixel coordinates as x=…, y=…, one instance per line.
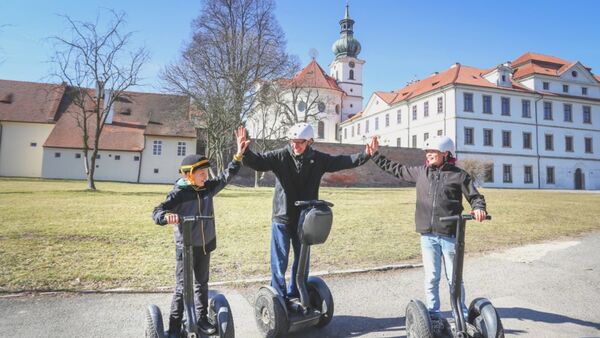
x=346, y=68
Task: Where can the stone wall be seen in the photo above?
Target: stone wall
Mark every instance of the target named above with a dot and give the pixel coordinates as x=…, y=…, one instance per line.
x=368, y=175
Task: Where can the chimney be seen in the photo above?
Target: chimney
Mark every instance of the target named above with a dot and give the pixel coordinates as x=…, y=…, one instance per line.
x=107, y=99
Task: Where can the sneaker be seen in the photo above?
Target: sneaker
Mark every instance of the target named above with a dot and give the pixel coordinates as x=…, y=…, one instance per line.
x=437, y=327
x=206, y=326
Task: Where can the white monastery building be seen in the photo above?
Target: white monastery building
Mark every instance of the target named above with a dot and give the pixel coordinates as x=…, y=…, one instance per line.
x=537, y=119
x=145, y=138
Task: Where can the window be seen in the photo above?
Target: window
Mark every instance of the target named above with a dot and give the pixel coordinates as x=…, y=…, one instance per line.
x=367, y=126
x=468, y=102
x=526, y=106
x=574, y=73
x=57, y=155
x=487, y=104
x=337, y=109
x=565, y=88
x=506, y=139
x=398, y=142
x=399, y=116
x=489, y=174
x=117, y=157
x=507, y=173
x=414, y=141
x=136, y=158
x=506, y=106
x=377, y=123
x=587, y=114
x=468, y=135
x=528, y=174
x=98, y=156
x=352, y=131
x=351, y=74
x=358, y=129
x=321, y=129
x=549, y=140
x=301, y=106
x=488, y=137
x=547, y=110
x=546, y=85
x=526, y=140
x=440, y=132
x=569, y=143
x=414, y=112
x=157, y=148
x=588, y=145
x=568, y=112
x=338, y=131
x=77, y=155
x=345, y=133
x=440, y=105
x=33, y=144
x=583, y=90
x=156, y=170
x=181, y=148
x=425, y=136
x=387, y=120
x=550, y=175
x=425, y=109
x=321, y=107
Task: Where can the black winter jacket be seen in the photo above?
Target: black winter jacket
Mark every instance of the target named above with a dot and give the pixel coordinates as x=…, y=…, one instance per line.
x=298, y=177
x=439, y=193
x=187, y=200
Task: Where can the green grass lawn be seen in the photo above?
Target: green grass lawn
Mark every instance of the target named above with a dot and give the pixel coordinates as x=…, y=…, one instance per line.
x=55, y=235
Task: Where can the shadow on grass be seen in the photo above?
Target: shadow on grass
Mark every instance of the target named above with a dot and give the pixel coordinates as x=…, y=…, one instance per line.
x=355, y=326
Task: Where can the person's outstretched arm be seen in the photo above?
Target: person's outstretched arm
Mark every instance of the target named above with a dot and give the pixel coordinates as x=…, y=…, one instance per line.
x=234, y=166
x=401, y=171
x=341, y=162
x=256, y=161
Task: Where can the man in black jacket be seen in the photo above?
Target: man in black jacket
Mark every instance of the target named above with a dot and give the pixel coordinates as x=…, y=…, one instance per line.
x=440, y=189
x=298, y=170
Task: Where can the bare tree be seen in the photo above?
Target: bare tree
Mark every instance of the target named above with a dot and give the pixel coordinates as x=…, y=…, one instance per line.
x=479, y=170
x=236, y=45
x=96, y=56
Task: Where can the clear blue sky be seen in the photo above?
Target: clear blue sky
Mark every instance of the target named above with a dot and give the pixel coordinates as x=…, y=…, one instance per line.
x=401, y=40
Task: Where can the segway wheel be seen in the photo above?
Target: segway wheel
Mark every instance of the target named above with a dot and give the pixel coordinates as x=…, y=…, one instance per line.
x=320, y=299
x=154, y=323
x=485, y=318
x=418, y=323
x=270, y=315
x=220, y=313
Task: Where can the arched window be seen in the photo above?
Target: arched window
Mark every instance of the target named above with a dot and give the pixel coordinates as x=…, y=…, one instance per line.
x=321, y=129
x=351, y=74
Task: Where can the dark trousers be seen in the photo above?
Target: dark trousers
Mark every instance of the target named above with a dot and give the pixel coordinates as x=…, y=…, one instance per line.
x=201, y=270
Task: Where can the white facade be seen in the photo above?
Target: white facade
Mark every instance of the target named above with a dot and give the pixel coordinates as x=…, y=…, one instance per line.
x=348, y=73
x=530, y=147
x=21, y=148
x=162, y=157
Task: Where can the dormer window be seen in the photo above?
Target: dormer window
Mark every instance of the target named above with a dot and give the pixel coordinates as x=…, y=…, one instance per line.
x=546, y=85
x=574, y=73
x=565, y=88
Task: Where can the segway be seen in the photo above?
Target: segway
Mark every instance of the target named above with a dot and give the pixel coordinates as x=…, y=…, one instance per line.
x=482, y=315
x=219, y=312
x=273, y=316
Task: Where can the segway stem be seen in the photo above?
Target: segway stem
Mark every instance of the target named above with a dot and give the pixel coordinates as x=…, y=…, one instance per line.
x=301, y=277
x=188, y=275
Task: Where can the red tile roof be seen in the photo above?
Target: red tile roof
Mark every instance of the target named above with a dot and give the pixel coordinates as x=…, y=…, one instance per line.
x=135, y=115
x=29, y=102
x=530, y=56
x=535, y=63
x=313, y=76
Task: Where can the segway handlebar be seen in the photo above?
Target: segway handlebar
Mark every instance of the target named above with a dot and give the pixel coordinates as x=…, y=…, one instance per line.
x=194, y=218
x=466, y=217
x=312, y=203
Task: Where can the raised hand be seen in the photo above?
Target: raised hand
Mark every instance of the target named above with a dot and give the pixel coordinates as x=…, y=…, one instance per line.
x=373, y=146
x=241, y=139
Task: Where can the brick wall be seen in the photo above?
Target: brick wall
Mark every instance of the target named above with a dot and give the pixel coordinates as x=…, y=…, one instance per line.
x=368, y=175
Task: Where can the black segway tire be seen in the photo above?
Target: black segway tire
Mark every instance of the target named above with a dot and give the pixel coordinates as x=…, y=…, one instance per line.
x=418, y=323
x=271, y=317
x=154, y=323
x=485, y=318
x=320, y=299
x=220, y=313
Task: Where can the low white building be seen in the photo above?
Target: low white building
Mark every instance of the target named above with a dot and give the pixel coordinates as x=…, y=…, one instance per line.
x=145, y=141
x=536, y=118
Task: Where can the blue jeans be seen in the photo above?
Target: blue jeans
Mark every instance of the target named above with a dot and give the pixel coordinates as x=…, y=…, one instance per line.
x=281, y=236
x=434, y=249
